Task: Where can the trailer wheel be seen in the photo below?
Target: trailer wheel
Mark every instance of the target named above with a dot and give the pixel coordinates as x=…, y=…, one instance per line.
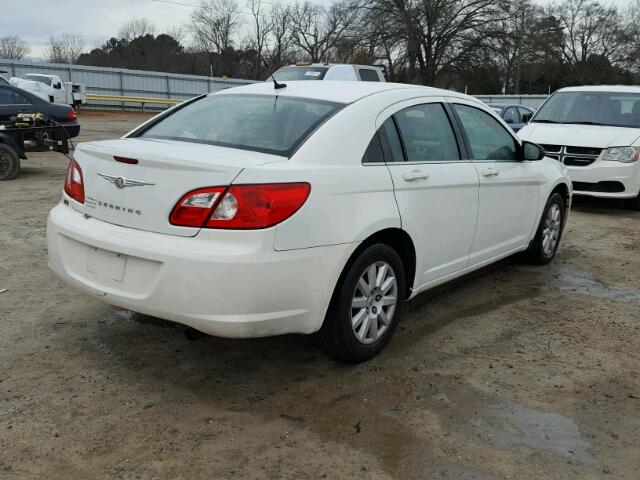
x=9, y=163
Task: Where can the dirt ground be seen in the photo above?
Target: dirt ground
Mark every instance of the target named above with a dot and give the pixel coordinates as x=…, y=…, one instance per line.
x=516, y=372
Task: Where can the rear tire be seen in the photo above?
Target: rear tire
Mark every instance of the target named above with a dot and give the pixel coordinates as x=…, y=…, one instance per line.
x=9, y=163
x=366, y=305
x=545, y=244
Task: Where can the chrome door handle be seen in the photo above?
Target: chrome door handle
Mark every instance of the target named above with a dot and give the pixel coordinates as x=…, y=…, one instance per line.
x=414, y=175
x=490, y=172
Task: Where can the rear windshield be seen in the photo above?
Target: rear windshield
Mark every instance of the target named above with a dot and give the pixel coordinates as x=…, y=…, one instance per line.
x=300, y=73
x=262, y=123
x=38, y=78
x=592, y=108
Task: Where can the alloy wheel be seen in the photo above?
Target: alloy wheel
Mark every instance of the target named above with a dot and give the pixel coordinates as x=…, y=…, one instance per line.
x=551, y=229
x=374, y=302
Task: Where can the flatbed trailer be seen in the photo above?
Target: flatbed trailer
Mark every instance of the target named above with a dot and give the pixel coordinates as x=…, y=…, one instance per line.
x=16, y=142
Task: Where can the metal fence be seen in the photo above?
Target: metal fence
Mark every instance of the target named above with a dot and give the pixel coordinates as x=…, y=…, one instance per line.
x=124, y=82
x=140, y=83
x=533, y=101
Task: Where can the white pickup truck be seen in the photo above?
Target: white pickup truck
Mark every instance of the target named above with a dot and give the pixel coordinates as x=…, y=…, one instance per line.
x=52, y=88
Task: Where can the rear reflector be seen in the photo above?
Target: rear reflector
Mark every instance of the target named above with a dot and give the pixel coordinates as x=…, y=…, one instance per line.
x=242, y=207
x=74, y=183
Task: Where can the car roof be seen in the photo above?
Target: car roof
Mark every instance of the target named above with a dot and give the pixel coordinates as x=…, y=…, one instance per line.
x=603, y=88
x=338, y=91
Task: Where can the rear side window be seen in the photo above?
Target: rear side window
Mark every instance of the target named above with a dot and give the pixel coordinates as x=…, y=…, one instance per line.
x=487, y=138
x=9, y=97
x=368, y=75
x=374, y=153
x=263, y=123
x=511, y=115
x=426, y=134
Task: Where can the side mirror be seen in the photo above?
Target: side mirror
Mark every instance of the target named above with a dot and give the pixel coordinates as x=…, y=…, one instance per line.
x=532, y=151
x=57, y=85
x=526, y=117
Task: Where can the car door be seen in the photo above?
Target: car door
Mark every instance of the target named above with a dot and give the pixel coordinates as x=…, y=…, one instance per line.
x=508, y=199
x=436, y=186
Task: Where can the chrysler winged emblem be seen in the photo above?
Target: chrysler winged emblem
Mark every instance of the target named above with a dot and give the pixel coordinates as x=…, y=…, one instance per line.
x=122, y=182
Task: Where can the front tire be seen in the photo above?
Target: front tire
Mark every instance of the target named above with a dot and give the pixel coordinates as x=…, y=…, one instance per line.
x=9, y=163
x=545, y=244
x=366, y=305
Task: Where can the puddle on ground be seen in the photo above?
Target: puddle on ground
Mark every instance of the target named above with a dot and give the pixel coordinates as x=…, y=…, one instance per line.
x=510, y=425
x=585, y=283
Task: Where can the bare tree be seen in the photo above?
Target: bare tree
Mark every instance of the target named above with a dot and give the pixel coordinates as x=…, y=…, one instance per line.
x=214, y=23
x=280, y=33
x=65, y=49
x=12, y=47
x=510, y=44
x=590, y=29
x=439, y=34
x=261, y=29
x=317, y=31
x=136, y=28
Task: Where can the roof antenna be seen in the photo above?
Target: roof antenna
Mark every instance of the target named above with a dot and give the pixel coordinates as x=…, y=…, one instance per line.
x=277, y=85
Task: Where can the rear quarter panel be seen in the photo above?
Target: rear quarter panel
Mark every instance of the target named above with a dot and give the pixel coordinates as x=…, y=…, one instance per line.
x=348, y=201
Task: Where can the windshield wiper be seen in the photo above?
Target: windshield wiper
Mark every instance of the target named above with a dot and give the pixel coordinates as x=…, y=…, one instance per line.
x=543, y=121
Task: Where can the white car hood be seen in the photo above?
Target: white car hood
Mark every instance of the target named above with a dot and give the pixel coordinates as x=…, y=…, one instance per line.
x=579, y=135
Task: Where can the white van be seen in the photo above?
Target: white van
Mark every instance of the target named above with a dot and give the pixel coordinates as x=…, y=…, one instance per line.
x=329, y=71
x=595, y=132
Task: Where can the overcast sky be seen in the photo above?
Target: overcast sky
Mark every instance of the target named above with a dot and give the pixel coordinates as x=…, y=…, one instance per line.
x=98, y=20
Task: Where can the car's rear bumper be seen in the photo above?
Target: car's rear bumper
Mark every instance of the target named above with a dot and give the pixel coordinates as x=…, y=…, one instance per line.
x=606, y=179
x=224, y=283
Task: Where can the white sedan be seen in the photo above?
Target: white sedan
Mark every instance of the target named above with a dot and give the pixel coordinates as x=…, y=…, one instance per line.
x=311, y=207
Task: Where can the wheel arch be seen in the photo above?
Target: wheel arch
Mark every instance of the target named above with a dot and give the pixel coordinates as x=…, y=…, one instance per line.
x=564, y=190
x=397, y=239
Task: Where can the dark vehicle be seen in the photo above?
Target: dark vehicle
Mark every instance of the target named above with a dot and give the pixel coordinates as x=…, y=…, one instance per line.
x=516, y=116
x=29, y=123
x=3, y=81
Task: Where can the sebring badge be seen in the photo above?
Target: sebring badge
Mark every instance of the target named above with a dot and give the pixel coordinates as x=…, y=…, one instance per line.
x=122, y=182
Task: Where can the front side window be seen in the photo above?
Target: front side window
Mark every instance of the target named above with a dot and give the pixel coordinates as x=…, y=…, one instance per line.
x=592, y=108
x=368, y=75
x=427, y=134
x=488, y=139
x=7, y=97
x=263, y=123
x=526, y=114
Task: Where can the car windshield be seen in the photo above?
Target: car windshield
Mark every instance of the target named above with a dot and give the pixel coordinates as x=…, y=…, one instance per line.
x=300, y=73
x=263, y=123
x=592, y=108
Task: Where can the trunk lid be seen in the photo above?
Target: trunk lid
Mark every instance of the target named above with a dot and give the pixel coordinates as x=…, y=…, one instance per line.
x=165, y=171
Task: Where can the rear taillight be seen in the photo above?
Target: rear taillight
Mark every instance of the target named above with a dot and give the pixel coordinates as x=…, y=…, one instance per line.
x=243, y=207
x=74, y=184
x=72, y=115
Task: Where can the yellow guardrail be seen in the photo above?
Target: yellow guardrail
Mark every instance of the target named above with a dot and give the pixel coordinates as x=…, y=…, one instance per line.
x=127, y=99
